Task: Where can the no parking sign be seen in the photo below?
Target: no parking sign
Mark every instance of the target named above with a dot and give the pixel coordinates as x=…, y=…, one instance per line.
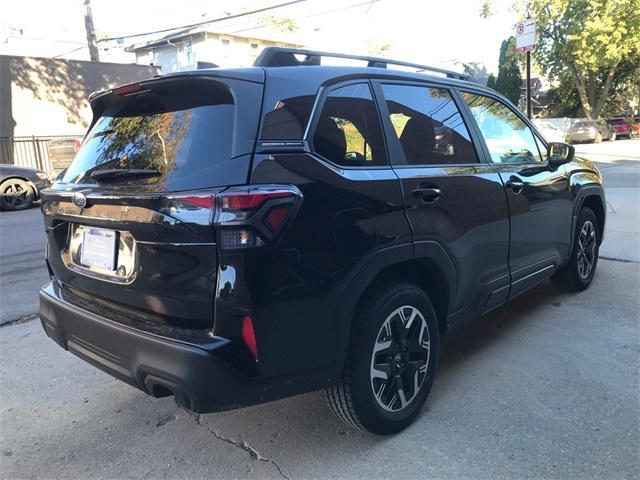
x=526, y=36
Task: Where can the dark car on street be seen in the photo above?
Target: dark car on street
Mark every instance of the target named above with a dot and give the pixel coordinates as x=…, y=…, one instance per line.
x=235, y=236
x=590, y=131
x=20, y=186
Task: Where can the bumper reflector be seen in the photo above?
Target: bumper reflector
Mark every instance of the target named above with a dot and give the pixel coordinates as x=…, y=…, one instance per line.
x=249, y=336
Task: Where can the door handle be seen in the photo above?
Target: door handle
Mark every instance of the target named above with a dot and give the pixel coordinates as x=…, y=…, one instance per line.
x=515, y=185
x=427, y=195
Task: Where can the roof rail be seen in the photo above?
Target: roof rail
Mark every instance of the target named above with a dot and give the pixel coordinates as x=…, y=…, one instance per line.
x=286, y=57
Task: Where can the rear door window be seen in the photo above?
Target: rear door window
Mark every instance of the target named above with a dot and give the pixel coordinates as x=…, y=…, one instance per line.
x=348, y=131
x=428, y=125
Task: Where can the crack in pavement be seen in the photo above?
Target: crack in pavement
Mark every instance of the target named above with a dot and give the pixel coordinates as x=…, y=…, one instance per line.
x=23, y=319
x=612, y=259
x=255, y=454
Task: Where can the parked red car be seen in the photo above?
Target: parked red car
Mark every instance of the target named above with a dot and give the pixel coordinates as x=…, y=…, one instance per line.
x=622, y=126
x=635, y=127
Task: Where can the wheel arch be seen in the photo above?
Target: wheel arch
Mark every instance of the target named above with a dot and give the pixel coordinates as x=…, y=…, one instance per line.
x=591, y=196
x=430, y=268
x=594, y=202
x=426, y=274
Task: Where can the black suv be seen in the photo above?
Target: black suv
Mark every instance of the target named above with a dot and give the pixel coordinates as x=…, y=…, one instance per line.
x=235, y=236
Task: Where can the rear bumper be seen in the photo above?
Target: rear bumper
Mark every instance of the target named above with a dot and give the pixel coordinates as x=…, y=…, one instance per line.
x=194, y=374
x=580, y=137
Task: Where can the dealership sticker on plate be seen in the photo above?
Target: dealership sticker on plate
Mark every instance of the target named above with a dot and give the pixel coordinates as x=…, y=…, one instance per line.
x=98, y=248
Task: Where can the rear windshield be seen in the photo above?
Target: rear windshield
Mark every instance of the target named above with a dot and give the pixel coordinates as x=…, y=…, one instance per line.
x=185, y=136
x=616, y=121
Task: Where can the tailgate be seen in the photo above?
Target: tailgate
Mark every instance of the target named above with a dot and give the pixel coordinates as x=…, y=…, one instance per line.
x=130, y=226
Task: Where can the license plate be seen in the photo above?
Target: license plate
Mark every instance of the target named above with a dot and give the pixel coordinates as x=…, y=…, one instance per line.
x=98, y=248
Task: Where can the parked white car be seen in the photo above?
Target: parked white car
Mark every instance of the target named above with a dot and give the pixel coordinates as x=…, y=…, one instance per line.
x=550, y=132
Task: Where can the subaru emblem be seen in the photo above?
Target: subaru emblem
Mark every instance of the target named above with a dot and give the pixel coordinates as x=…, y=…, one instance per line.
x=79, y=200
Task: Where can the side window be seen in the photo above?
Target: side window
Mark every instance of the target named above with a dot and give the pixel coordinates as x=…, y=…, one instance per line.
x=348, y=132
x=288, y=118
x=508, y=138
x=428, y=125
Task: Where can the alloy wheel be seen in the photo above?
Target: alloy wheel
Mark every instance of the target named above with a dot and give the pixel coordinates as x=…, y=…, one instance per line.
x=586, y=249
x=15, y=195
x=400, y=358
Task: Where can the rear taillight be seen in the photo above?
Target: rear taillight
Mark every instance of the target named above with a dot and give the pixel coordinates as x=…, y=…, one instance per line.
x=244, y=217
x=250, y=217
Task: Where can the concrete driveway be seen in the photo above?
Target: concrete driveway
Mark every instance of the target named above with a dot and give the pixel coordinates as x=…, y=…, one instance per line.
x=544, y=387
x=619, y=162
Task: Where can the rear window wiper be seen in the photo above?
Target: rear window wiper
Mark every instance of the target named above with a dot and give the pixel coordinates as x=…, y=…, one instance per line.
x=109, y=173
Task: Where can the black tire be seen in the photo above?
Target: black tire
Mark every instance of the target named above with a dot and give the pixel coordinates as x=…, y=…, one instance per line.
x=353, y=399
x=16, y=194
x=571, y=277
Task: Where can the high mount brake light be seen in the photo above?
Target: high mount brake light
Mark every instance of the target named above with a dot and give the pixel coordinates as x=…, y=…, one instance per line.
x=128, y=89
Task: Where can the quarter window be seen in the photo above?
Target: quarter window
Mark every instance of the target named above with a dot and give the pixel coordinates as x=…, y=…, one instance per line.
x=507, y=136
x=428, y=125
x=348, y=132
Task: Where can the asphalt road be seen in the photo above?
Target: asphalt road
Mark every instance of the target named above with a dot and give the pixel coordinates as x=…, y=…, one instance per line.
x=22, y=269
x=547, y=386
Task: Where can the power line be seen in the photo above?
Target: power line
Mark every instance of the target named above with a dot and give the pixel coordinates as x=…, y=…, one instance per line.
x=70, y=51
x=213, y=20
x=41, y=39
x=348, y=7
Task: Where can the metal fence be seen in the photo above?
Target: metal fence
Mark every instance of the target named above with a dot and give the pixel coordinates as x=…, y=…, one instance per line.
x=50, y=153
x=563, y=123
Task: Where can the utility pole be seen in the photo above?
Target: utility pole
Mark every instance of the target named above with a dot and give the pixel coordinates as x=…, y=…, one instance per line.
x=91, y=33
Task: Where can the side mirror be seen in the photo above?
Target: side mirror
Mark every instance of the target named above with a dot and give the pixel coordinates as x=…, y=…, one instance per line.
x=560, y=153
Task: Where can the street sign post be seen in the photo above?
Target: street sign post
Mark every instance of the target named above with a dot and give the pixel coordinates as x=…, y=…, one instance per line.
x=526, y=43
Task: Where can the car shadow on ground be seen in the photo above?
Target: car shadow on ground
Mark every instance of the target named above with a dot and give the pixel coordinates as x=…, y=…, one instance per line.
x=291, y=435
x=307, y=417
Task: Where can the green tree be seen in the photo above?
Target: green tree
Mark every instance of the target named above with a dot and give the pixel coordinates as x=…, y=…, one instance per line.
x=588, y=42
x=283, y=24
x=491, y=81
x=476, y=71
x=564, y=100
x=509, y=78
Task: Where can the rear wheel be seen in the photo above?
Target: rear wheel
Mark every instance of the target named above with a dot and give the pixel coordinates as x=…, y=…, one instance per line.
x=391, y=362
x=16, y=194
x=579, y=271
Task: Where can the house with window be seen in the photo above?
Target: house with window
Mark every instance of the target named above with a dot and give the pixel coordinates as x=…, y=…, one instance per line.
x=541, y=103
x=198, y=47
